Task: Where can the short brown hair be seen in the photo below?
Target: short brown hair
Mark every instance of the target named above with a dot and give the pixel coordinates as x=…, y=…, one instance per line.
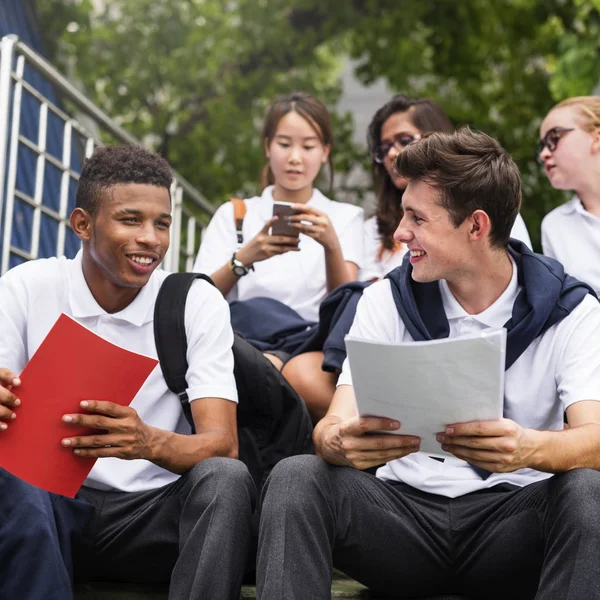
x=473, y=172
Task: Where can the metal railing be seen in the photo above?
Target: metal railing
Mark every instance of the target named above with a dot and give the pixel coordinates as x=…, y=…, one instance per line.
x=34, y=209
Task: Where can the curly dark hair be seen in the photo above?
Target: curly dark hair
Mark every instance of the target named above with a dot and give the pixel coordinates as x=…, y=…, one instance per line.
x=113, y=165
x=426, y=116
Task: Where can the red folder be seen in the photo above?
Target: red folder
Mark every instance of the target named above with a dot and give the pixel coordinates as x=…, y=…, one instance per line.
x=72, y=364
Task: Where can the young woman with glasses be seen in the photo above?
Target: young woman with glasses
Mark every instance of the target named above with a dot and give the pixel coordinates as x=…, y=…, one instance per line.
x=398, y=123
x=569, y=150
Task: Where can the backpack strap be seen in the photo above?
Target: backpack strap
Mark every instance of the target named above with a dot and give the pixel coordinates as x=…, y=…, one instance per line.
x=169, y=334
x=239, y=212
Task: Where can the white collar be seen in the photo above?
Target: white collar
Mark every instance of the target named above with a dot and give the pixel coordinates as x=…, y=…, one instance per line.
x=495, y=315
x=83, y=304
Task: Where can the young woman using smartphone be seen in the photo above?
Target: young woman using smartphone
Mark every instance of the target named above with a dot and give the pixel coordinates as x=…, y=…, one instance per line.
x=297, y=271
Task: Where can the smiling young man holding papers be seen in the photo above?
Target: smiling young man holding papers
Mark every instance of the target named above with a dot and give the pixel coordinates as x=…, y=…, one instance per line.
x=519, y=500
x=160, y=504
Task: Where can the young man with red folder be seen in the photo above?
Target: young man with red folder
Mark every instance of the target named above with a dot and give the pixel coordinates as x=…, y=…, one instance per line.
x=160, y=505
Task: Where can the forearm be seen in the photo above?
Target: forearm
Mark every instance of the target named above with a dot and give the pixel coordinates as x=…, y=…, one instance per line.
x=559, y=451
x=224, y=279
x=178, y=453
x=337, y=269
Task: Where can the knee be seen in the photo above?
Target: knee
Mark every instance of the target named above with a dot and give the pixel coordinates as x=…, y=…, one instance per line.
x=577, y=493
x=294, y=481
x=225, y=478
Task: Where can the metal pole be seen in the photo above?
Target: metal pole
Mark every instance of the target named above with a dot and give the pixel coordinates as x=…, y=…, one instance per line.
x=7, y=45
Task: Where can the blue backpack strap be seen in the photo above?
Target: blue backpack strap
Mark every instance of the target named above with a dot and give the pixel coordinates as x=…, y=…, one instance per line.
x=170, y=336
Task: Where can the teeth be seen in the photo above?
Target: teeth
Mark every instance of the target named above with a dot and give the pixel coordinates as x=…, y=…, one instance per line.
x=141, y=260
x=416, y=253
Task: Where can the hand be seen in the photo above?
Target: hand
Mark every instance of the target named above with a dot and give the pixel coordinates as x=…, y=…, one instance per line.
x=8, y=400
x=264, y=246
x=500, y=446
x=359, y=443
x=121, y=432
x=319, y=227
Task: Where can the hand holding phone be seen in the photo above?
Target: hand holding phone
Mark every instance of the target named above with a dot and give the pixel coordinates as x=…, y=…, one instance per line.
x=283, y=210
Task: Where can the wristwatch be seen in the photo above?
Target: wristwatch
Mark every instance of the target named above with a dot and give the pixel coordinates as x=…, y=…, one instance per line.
x=238, y=267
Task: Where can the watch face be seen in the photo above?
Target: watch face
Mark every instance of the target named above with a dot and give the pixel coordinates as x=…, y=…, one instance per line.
x=239, y=270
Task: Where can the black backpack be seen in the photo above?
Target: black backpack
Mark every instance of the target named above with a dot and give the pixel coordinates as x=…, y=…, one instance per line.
x=272, y=419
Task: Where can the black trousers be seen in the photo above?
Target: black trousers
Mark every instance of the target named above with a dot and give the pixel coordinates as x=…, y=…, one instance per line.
x=540, y=541
x=194, y=533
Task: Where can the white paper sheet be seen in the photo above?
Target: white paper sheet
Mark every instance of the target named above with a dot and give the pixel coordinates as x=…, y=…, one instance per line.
x=429, y=385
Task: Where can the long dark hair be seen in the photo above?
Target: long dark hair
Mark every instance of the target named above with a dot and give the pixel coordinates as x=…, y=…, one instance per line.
x=426, y=116
x=311, y=109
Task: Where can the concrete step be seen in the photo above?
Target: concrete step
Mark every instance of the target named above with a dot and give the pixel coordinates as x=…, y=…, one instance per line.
x=343, y=588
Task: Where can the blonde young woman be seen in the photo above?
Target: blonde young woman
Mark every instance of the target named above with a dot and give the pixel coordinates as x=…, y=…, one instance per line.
x=569, y=150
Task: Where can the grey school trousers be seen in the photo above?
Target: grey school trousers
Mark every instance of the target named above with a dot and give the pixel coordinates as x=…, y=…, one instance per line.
x=194, y=532
x=541, y=541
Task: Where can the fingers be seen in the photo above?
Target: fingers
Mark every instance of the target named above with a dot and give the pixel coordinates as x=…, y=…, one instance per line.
x=362, y=425
x=282, y=240
x=275, y=249
x=380, y=443
x=8, y=400
x=104, y=407
x=8, y=378
x=267, y=226
x=96, y=421
x=499, y=427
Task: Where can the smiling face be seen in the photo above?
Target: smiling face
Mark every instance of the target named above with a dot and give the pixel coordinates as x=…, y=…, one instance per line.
x=296, y=154
x=124, y=241
x=438, y=249
x=568, y=166
x=397, y=128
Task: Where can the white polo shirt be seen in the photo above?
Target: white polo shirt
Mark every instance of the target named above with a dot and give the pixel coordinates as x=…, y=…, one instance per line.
x=297, y=279
x=34, y=294
x=571, y=235
x=377, y=267
x=559, y=368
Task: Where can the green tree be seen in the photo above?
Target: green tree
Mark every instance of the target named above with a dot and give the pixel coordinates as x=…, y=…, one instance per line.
x=195, y=76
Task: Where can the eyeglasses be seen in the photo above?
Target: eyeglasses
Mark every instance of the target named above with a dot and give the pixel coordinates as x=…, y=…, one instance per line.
x=400, y=142
x=550, y=141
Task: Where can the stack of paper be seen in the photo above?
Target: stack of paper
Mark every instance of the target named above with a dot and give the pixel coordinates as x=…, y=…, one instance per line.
x=429, y=385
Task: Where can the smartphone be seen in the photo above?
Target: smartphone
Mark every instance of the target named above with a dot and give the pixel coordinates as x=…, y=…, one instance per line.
x=283, y=210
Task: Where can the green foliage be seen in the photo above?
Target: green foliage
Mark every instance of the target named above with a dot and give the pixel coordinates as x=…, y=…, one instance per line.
x=194, y=77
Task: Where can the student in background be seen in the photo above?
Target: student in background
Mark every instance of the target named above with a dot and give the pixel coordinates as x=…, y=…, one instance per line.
x=296, y=271
x=569, y=150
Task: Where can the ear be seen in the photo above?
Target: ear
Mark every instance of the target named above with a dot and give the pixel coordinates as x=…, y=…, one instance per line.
x=267, y=151
x=81, y=224
x=326, y=151
x=479, y=225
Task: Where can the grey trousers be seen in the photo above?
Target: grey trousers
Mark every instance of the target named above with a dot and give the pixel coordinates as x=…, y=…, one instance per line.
x=540, y=541
x=194, y=533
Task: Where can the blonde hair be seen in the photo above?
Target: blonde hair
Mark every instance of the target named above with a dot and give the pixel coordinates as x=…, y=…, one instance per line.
x=588, y=108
